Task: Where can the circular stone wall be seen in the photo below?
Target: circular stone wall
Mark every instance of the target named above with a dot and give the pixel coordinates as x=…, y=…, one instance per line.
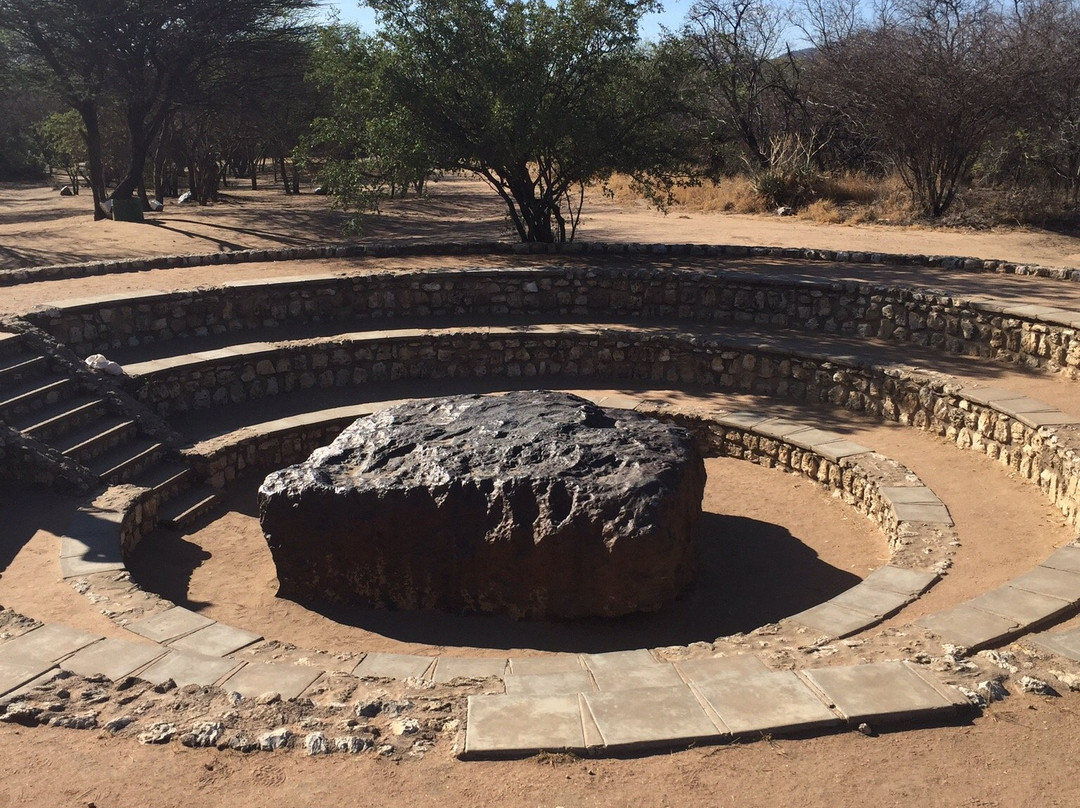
x=534, y=504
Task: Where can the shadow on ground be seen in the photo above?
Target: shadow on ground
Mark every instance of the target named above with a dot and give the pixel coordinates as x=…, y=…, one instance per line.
x=749, y=573
x=26, y=511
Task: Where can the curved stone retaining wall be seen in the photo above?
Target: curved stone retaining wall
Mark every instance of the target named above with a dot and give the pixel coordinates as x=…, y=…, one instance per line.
x=931, y=402
x=858, y=475
x=13, y=277
x=976, y=328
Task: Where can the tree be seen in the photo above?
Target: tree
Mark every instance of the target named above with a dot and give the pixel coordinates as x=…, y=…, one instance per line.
x=748, y=75
x=929, y=85
x=537, y=99
x=146, y=53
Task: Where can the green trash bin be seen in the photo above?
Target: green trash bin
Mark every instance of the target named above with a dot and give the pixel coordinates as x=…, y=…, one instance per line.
x=127, y=210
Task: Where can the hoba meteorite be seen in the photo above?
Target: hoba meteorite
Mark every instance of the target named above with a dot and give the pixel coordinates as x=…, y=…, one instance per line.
x=533, y=504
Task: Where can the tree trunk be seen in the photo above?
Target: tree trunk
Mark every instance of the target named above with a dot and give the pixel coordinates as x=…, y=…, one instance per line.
x=92, y=134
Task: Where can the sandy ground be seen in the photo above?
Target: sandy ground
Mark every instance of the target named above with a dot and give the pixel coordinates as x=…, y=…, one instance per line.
x=37, y=227
x=772, y=544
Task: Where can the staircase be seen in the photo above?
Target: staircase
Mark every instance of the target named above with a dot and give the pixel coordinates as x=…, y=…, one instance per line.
x=46, y=402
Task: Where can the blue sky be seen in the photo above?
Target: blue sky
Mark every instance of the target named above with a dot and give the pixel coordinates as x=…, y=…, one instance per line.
x=352, y=11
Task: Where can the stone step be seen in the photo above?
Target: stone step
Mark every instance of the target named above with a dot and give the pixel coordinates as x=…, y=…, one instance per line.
x=55, y=420
x=10, y=343
x=35, y=395
x=95, y=439
x=168, y=479
x=187, y=507
x=126, y=462
x=20, y=368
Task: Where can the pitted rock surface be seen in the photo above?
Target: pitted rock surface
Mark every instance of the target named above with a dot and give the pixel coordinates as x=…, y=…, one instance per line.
x=533, y=504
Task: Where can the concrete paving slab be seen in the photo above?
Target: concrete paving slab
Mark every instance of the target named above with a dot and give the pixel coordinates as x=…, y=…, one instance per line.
x=621, y=402
x=909, y=495
x=833, y=620
x=558, y=663
x=972, y=628
x=631, y=677
x=75, y=567
x=773, y=702
x=1062, y=643
x=839, y=449
x=393, y=666
x=549, y=684
x=113, y=658
x=1050, y=418
x=1066, y=558
x=1022, y=607
x=93, y=536
x=711, y=669
x=880, y=693
x=256, y=678
x=781, y=428
x=46, y=644
x=1023, y=405
x=649, y=717
x=188, y=669
x=898, y=579
x=742, y=420
x=989, y=395
x=169, y=625
x=930, y=514
x=450, y=668
x=808, y=438
x=619, y=660
x=14, y=674
x=1056, y=583
x=510, y=726
x=216, y=640
x=878, y=602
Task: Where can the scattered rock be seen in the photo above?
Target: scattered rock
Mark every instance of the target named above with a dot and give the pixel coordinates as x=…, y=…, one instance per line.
x=268, y=698
x=1001, y=659
x=354, y=744
x=534, y=504
x=1029, y=684
x=276, y=739
x=992, y=690
x=80, y=721
x=976, y=699
x=242, y=743
x=404, y=726
x=157, y=733
x=315, y=743
x=1070, y=680
x=120, y=723
x=165, y=687
x=369, y=708
x=20, y=712
x=203, y=735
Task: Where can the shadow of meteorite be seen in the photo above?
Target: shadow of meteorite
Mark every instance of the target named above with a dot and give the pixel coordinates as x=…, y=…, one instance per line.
x=749, y=573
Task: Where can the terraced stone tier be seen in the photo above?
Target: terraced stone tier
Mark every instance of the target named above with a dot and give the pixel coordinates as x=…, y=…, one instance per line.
x=533, y=504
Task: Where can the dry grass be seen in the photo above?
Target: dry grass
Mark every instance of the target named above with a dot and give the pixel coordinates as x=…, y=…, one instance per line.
x=843, y=199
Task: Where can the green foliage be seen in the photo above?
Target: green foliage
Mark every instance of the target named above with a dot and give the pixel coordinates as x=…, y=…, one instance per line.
x=538, y=99
x=63, y=144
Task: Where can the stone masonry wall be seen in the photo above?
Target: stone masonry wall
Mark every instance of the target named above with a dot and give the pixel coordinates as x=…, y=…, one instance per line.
x=931, y=402
x=602, y=294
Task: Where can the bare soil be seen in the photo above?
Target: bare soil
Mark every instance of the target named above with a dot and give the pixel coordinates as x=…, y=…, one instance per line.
x=772, y=544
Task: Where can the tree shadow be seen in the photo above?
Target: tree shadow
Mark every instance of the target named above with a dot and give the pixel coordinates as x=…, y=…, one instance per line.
x=26, y=511
x=164, y=562
x=749, y=573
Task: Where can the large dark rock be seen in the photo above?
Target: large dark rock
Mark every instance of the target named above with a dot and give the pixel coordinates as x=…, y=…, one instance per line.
x=534, y=504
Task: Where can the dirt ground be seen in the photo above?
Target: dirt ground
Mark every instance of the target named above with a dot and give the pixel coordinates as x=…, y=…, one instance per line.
x=772, y=544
